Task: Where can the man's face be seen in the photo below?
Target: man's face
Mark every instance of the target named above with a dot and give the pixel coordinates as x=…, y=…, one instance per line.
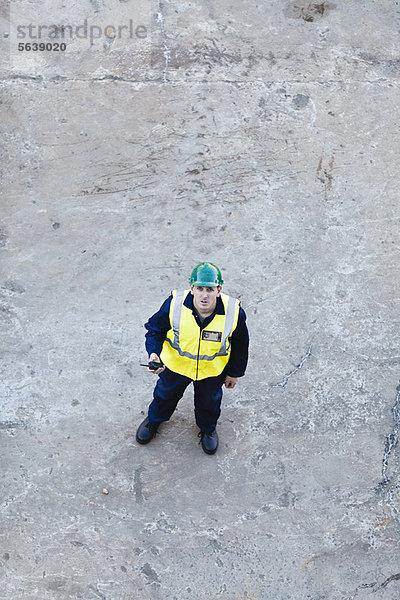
x=205, y=298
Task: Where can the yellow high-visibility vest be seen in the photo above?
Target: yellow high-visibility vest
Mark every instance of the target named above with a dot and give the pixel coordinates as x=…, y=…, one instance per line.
x=198, y=353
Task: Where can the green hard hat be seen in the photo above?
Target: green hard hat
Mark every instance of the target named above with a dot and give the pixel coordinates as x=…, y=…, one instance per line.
x=206, y=274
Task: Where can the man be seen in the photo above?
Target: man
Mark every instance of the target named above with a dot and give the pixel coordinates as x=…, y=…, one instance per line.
x=201, y=336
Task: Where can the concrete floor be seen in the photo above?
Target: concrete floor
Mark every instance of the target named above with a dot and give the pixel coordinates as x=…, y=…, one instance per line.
x=263, y=136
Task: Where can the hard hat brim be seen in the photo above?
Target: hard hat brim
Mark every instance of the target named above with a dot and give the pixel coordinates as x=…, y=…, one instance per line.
x=205, y=284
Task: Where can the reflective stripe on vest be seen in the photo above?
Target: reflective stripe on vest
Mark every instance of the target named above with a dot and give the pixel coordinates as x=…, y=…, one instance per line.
x=191, y=363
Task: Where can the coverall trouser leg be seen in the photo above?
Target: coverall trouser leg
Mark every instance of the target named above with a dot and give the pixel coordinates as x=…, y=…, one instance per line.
x=169, y=390
x=167, y=393
x=207, y=402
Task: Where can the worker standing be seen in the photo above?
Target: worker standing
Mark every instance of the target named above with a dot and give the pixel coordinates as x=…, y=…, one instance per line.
x=199, y=335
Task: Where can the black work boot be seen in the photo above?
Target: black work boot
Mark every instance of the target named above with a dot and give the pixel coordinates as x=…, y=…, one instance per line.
x=209, y=441
x=146, y=431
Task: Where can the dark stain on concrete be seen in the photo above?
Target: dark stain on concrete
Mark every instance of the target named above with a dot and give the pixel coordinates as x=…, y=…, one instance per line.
x=78, y=544
x=13, y=286
x=287, y=499
x=309, y=11
x=138, y=485
x=391, y=66
x=95, y=5
x=150, y=574
x=300, y=101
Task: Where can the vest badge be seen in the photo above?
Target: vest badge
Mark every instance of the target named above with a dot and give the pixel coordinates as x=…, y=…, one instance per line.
x=212, y=336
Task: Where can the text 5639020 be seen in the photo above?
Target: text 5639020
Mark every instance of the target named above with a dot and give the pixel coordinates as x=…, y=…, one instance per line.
x=42, y=47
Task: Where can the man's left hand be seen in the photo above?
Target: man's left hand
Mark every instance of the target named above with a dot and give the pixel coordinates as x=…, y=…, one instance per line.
x=230, y=382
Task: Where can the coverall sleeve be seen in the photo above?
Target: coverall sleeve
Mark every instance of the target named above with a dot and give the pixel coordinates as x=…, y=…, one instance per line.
x=237, y=364
x=157, y=327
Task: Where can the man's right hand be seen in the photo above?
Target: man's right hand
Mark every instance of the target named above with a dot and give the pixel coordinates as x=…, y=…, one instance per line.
x=154, y=357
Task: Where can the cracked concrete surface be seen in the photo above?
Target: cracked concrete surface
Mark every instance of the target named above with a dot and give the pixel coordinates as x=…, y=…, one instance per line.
x=297, y=368
x=392, y=440
x=263, y=137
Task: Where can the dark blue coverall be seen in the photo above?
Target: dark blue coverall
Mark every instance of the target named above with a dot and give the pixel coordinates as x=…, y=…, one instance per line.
x=207, y=392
